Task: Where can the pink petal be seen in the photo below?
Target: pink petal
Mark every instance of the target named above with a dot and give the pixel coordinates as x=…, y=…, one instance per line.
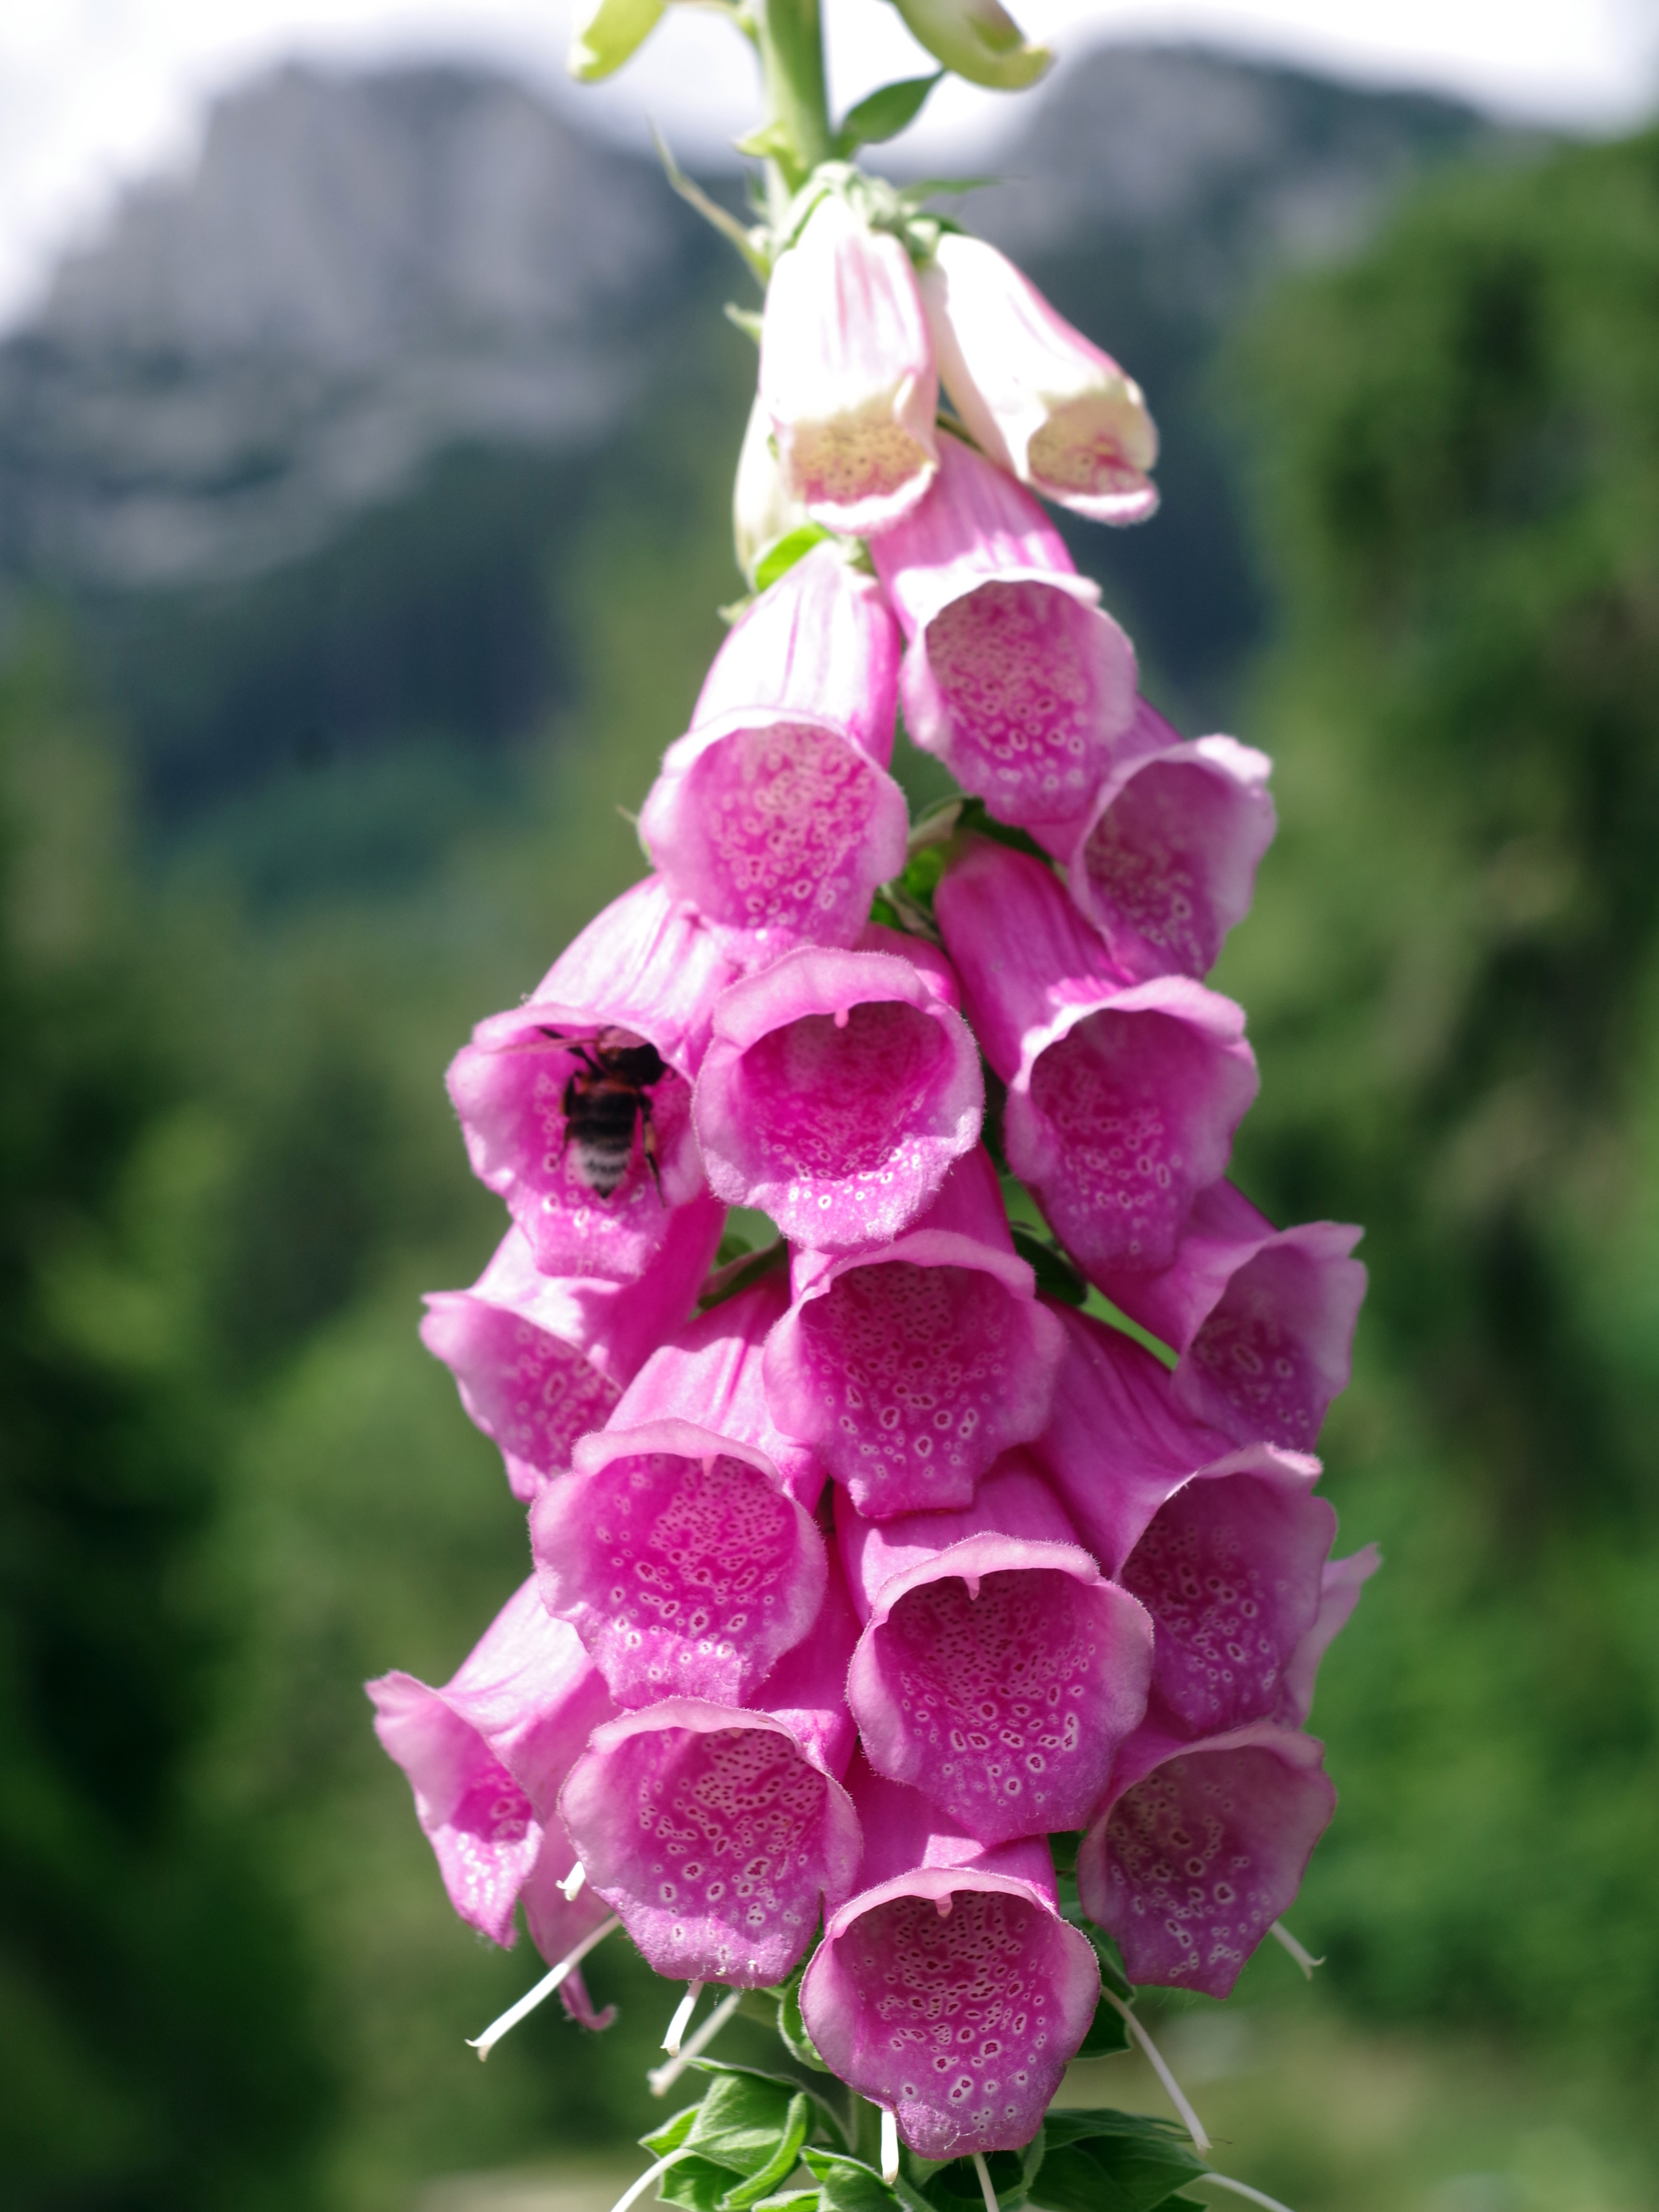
x=999, y=1673
x=1264, y=1318
x=911, y=1368
x=847, y=374
x=641, y=978
x=487, y=1753
x=1040, y=399
x=1339, y=1594
x=1121, y=1101
x=839, y=1088
x=1229, y=1570
x=1014, y=678
x=953, y=1996
x=1200, y=1848
x=1163, y=861
x=540, y=1360
x=682, y=1563
x=715, y=1836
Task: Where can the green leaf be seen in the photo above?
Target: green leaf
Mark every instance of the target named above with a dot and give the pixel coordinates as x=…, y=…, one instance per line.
x=1055, y=1275
x=782, y=554
x=883, y=114
x=1114, y=2163
x=785, y=2155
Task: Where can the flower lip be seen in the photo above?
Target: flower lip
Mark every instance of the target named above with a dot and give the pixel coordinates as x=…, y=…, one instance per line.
x=1189, y=1873
x=1163, y=860
x=715, y=1835
x=778, y=825
x=1006, y=1704
x=838, y=1088
x=681, y=1559
x=982, y=1950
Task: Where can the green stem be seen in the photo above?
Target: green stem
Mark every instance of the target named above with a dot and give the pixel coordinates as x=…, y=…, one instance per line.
x=791, y=34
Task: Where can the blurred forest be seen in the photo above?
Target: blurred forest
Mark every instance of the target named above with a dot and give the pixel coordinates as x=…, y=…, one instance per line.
x=269, y=842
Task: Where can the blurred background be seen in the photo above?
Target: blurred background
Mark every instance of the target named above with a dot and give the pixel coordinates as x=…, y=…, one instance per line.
x=363, y=489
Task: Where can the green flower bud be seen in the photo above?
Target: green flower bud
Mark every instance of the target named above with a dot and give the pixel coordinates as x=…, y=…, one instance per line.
x=607, y=33
x=977, y=39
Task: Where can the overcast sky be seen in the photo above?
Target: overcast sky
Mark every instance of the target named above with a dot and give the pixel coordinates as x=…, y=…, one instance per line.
x=95, y=92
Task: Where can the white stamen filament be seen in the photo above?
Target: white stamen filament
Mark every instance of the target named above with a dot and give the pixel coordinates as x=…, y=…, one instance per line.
x=1304, y=1958
x=682, y=2019
x=1243, y=2189
x=889, y=2148
x=484, y=2044
x=661, y=2079
x=985, y=2188
x=632, y=2195
x=1172, y=2088
x=574, y=1881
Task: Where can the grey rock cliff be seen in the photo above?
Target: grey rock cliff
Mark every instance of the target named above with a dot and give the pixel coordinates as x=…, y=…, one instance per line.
x=359, y=272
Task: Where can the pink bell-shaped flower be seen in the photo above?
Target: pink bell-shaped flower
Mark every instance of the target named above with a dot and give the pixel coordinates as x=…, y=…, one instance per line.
x=1123, y=1099
x=910, y=1369
x=846, y=373
x=1200, y=1847
x=1263, y=1318
x=1163, y=861
x=949, y=1991
x=999, y=1670
x=1040, y=400
x=576, y=1107
x=1014, y=678
x=837, y=1090
x=775, y=816
x=486, y=1756
x=719, y=1832
x=539, y=1361
x=674, y=1546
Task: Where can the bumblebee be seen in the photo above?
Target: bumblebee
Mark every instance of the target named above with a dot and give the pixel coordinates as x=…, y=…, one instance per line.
x=605, y=1101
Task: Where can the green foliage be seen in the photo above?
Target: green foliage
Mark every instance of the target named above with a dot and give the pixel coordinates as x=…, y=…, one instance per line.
x=154, y=2000
x=1453, y=976
x=885, y=114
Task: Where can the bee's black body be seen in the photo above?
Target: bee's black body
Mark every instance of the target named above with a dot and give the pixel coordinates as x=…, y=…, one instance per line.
x=605, y=1101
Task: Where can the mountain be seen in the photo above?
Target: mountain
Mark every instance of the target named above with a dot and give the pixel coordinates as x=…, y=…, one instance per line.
x=359, y=272
x=311, y=445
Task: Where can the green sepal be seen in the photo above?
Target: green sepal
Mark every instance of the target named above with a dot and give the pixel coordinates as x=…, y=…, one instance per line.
x=737, y=2126
x=1110, y=2161
x=792, y=2027
x=883, y=114
x=953, y=2185
x=847, y=2185
x=785, y=2156
x=742, y=319
x=781, y=555
x=741, y=1272
x=608, y=35
x=976, y=39
x=671, y=2134
x=696, y=2183
x=826, y=2122
x=1056, y=1278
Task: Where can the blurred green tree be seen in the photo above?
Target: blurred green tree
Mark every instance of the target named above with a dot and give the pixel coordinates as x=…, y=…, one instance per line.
x=153, y=1988
x=1453, y=979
